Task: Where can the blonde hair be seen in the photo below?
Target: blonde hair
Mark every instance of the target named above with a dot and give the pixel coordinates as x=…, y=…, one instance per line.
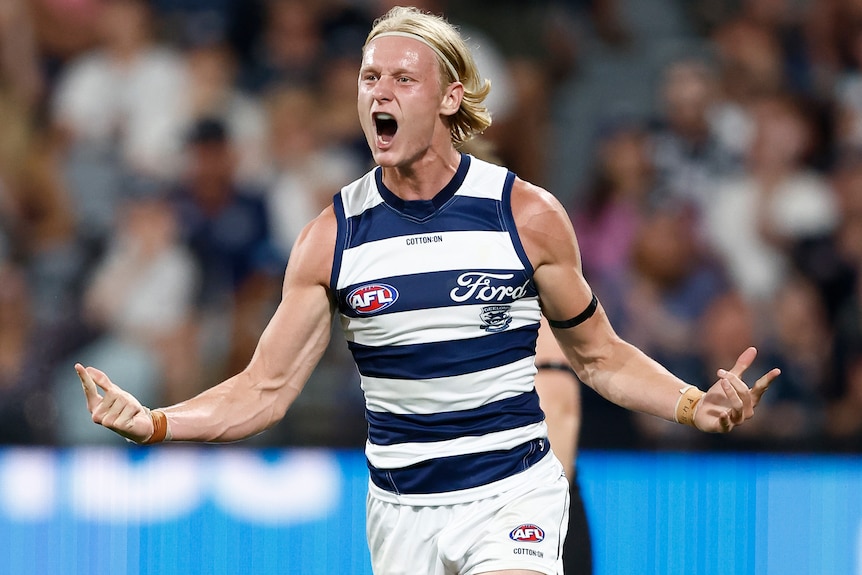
x=454, y=55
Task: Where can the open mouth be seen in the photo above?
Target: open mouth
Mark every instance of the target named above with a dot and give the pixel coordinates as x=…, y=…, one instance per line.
x=386, y=126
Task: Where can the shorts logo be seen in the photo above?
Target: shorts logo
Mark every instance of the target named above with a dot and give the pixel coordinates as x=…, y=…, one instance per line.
x=527, y=533
x=495, y=318
x=372, y=298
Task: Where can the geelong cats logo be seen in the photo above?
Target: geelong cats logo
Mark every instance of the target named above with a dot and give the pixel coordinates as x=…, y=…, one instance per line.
x=495, y=318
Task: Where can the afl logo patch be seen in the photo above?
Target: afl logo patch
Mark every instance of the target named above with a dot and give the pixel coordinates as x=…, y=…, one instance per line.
x=527, y=533
x=372, y=298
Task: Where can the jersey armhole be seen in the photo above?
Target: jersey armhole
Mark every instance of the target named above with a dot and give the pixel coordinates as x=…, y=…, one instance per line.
x=341, y=237
x=509, y=222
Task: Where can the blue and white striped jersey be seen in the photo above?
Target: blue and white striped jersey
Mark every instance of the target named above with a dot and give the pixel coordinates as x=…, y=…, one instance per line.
x=439, y=308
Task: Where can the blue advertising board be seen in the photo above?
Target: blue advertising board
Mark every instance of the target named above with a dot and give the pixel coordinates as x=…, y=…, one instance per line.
x=228, y=510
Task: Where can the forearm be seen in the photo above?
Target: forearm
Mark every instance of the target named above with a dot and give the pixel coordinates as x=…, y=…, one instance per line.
x=626, y=376
x=231, y=411
x=259, y=396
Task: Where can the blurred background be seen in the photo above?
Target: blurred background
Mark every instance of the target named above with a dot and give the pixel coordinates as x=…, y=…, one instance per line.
x=159, y=157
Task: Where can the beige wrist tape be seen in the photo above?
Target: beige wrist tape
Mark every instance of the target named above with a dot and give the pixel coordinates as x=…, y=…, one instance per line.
x=160, y=427
x=686, y=405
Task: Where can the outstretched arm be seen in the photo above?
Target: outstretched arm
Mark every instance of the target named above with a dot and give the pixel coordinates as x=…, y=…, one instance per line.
x=617, y=370
x=257, y=397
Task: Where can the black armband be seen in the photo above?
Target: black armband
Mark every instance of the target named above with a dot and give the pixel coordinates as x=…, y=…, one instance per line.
x=555, y=366
x=578, y=319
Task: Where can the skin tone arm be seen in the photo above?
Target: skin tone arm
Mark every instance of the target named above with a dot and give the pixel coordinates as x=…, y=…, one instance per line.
x=614, y=368
x=257, y=397
x=560, y=397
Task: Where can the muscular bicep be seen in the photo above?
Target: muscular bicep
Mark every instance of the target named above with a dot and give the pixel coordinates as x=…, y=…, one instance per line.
x=292, y=343
x=552, y=247
x=549, y=240
x=298, y=333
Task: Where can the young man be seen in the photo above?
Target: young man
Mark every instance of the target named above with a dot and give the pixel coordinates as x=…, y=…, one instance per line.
x=439, y=267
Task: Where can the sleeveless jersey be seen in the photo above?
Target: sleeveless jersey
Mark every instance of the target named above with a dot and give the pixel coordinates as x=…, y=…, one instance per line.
x=440, y=312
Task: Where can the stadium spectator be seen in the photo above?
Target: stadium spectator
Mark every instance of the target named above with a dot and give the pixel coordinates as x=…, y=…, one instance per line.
x=213, y=93
x=695, y=141
x=289, y=49
x=670, y=285
x=307, y=168
x=139, y=303
x=226, y=225
x=125, y=93
x=753, y=220
x=608, y=220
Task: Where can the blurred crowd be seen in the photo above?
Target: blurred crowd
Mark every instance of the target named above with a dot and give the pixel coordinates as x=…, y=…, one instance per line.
x=159, y=157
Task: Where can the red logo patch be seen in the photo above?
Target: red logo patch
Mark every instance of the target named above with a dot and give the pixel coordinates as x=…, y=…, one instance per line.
x=527, y=533
x=372, y=298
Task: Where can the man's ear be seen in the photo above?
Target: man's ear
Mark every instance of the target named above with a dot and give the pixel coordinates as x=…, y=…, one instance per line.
x=452, y=97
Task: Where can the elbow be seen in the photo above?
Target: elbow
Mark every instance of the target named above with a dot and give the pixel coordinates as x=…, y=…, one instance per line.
x=598, y=367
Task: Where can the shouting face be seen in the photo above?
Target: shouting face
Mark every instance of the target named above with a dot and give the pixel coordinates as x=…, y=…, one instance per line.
x=403, y=104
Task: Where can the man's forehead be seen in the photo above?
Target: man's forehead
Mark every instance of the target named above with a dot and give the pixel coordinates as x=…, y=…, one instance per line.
x=395, y=51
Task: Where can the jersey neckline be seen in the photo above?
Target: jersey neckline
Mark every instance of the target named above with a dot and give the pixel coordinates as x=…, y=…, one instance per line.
x=422, y=209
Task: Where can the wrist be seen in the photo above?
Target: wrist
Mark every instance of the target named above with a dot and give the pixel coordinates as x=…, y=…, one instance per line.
x=161, y=428
x=687, y=404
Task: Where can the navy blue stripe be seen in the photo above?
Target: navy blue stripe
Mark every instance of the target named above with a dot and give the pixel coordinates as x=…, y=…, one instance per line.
x=510, y=413
x=446, y=358
x=433, y=289
x=509, y=222
x=383, y=222
x=419, y=210
x=340, y=239
x=461, y=471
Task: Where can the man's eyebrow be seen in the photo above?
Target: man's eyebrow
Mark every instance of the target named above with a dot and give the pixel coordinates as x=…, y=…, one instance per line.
x=400, y=71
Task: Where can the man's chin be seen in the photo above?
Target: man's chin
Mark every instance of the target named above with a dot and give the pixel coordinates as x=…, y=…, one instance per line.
x=384, y=158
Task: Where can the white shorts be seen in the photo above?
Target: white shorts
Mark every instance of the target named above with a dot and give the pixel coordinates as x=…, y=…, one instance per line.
x=522, y=528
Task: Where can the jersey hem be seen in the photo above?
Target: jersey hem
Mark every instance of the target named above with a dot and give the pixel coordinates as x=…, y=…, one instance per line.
x=525, y=479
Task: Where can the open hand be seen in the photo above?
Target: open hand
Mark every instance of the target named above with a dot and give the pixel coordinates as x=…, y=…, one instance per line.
x=118, y=410
x=730, y=402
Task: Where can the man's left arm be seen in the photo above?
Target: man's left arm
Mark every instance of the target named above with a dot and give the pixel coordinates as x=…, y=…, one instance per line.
x=617, y=370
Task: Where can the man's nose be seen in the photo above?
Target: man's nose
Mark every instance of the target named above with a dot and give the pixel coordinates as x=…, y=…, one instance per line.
x=382, y=90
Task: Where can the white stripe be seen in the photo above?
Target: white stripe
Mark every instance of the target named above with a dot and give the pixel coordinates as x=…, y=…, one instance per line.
x=433, y=325
x=356, y=202
x=486, y=183
x=393, y=257
x=483, y=180
x=456, y=393
x=406, y=454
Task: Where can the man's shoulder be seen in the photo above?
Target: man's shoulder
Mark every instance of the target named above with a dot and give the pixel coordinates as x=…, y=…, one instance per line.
x=534, y=207
x=528, y=194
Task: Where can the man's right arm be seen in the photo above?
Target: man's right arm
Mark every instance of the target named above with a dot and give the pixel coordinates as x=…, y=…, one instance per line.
x=257, y=397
